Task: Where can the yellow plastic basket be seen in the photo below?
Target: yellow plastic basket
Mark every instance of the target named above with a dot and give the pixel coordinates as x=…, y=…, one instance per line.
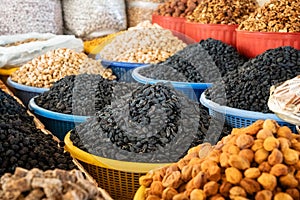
x=140, y=193
x=119, y=178
x=6, y=72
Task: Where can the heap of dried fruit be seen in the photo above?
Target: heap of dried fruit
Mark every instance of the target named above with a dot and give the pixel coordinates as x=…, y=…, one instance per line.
x=260, y=161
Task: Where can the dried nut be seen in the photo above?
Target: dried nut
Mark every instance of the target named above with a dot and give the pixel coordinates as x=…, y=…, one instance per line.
x=153, y=197
x=276, y=157
x=233, y=175
x=186, y=173
x=261, y=155
x=288, y=181
x=252, y=173
x=258, y=144
x=172, y=180
x=214, y=156
x=247, y=154
x=285, y=132
x=250, y=185
x=268, y=181
x=169, y=193
x=279, y=170
x=282, y=196
x=264, y=133
x=293, y=192
x=205, y=165
x=224, y=188
x=146, y=180
x=233, y=150
x=196, y=169
x=290, y=156
x=271, y=125
x=197, y=194
x=271, y=143
x=264, y=195
x=180, y=196
x=253, y=128
x=156, y=188
x=182, y=163
x=239, y=162
x=214, y=173
x=244, y=141
x=284, y=143
x=211, y=188
x=264, y=167
x=224, y=159
x=237, y=191
x=200, y=180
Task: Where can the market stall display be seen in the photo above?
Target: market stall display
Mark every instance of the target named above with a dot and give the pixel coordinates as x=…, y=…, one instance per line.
x=50, y=184
x=256, y=162
x=273, y=25
x=41, y=72
x=218, y=19
x=70, y=101
x=91, y=18
x=26, y=16
x=193, y=69
x=145, y=43
x=284, y=100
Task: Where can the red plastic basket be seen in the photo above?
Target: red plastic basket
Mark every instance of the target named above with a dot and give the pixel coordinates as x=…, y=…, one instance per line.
x=252, y=43
x=223, y=32
x=173, y=23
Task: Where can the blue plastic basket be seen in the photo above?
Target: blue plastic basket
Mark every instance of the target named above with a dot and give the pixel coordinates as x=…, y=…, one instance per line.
x=122, y=70
x=57, y=123
x=24, y=92
x=191, y=90
x=238, y=118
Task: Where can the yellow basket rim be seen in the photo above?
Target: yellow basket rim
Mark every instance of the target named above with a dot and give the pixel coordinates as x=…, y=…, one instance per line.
x=125, y=166
x=8, y=71
x=140, y=193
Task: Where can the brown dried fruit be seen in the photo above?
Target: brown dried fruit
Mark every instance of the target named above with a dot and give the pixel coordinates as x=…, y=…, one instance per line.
x=224, y=188
x=288, y=181
x=247, y=154
x=180, y=196
x=285, y=132
x=268, y=181
x=271, y=143
x=279, y=170
x=214, y=156
x=153, y=197
x=284, y=143
x=282, y=196
x=214, y=173
x=264, y=133
x=264, y=167
x=239, y=162
x=211, y=188
x=233, y=175
x=233, y=150
x=290, y=156
x=205, y=165
x=156, y=188
x=146, y=180
x=172, y=180
x=271, y=125
x=276, y=157
x=253, y=128
x=200, y=179
x=237, y=191
x=217, y=197
x=196, y=169
x=293, y=192
x=197, y=194
x=264, y=195
x=258, y=144
x=224, y=159
x=261, y=155
x=169, y=193
x=244, y=141
x=252, y=173
x=250, y=185
x=186, y=173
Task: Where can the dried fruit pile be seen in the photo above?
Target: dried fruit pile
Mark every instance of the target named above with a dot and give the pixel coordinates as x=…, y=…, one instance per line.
x=83, y=94
x=23, y=145
x=206, y=62
x=146, y=125
x=50, y=184
x=260, y=161
x=249, y=88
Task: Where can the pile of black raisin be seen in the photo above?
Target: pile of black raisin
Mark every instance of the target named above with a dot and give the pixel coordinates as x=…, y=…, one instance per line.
x=249, y=88
x=154, y=123
x=206, y=61
x=23, y=145
x=83, y=94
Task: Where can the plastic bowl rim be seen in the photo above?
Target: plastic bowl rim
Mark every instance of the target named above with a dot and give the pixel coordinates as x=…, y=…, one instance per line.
x=54, y=115
x=142, y=79
x=236, y=112
x=139, y=167
x=25, y=87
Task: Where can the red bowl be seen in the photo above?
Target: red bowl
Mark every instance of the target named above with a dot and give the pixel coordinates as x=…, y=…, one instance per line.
x=223, y=32
x=173, y=23
x=251, y=43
